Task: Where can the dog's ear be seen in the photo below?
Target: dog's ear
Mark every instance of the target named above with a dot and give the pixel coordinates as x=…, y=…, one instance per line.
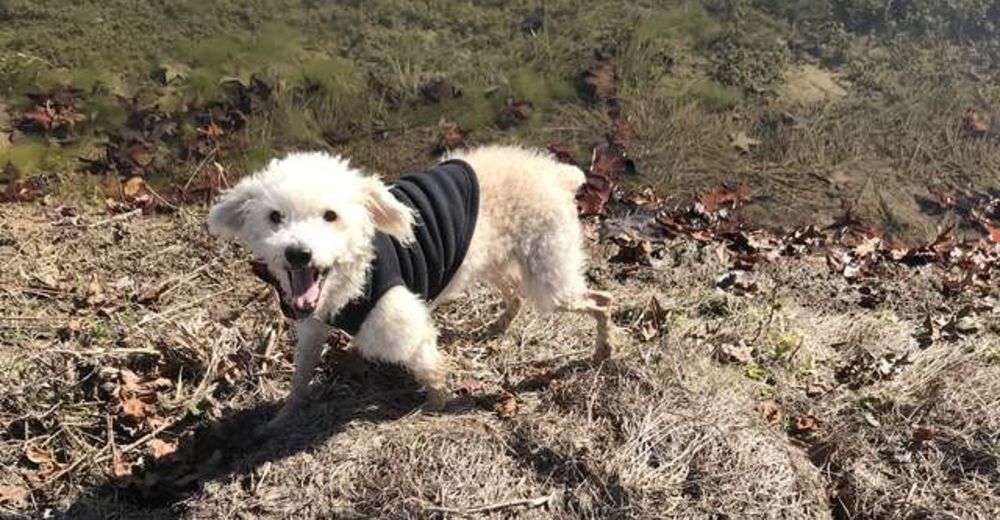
x=227, y=216
x=389, y=215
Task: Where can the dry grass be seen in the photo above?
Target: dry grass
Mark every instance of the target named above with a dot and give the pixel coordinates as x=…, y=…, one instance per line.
x=672, y=428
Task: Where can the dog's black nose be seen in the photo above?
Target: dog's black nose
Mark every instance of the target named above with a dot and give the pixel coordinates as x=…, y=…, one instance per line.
x=298, y=256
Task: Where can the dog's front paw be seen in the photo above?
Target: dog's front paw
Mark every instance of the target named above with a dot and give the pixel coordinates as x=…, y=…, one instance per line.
x=266, y=430
x=279, y=421
x=436, y=399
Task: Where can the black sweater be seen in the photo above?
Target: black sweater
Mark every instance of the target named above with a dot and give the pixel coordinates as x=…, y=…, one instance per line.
x=445, y=200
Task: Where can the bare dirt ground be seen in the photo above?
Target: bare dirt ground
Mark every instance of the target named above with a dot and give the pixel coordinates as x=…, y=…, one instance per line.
x=138, y=353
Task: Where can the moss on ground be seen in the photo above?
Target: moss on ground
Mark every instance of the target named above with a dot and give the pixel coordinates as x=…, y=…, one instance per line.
x=348, y=78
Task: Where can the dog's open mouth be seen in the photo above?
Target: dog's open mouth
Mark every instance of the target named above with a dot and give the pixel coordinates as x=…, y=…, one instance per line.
x=305, y=286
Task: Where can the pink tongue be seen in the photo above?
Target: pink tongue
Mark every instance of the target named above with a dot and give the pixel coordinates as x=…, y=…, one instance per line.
x=304, y=289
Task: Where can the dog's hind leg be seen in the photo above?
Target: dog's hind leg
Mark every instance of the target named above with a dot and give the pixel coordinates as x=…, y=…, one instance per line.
x=510, y=292
x=399, y=329
x=554, y=280
x=596, y=304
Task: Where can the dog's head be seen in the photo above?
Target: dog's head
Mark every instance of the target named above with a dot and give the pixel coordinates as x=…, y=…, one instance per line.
x=307, y=215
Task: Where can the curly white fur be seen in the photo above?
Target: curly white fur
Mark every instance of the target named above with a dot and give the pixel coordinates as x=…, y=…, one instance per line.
x=527, y=241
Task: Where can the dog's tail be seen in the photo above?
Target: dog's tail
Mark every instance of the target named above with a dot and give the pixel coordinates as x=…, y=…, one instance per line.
x=569, y=177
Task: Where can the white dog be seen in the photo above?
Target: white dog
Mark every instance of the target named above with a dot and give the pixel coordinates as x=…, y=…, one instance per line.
x=324, y=232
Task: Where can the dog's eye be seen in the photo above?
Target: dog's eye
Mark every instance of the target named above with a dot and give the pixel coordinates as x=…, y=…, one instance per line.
x=275, y=217
x=330, y=215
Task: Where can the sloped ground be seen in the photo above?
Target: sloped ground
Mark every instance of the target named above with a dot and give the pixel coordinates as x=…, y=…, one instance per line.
x=778, y=397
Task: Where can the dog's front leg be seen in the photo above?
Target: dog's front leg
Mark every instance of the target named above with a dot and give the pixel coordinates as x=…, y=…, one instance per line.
x=311, y=335
x=400, y=330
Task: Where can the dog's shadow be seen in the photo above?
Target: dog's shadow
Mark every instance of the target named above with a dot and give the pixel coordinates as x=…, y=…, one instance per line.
x=227, y=447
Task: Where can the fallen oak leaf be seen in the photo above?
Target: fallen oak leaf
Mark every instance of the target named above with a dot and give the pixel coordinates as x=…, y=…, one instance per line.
x=715, y=198
x=451, y=136
x=14, y=496
x=538, y=381
x=651, y=321
x=41, y=116
x=804, y=425
x=621, y=135
x=733, y=353
x=923, y=434
x=19, y=191
x=161, y=448
x=439, y=89
x=139, y=154
x=514, y=112
x=644, y=197
x=868, y=247
x=120, y=468
x=974, y=124
x=211, y=131
x=94, y=294
x=467, y=386
x=135, y=409
x=770, y=411
x=562, y=153
x=606, y=165
x=505, y=405
x=598, y=83
x=992, y=232
x=133, y=187
x=38, y=456
x=743, y=143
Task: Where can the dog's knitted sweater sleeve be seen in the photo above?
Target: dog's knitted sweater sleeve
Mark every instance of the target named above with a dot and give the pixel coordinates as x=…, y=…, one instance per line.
x=445, y=200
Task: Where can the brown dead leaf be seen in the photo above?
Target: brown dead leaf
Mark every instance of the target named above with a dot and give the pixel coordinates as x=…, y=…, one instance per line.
x=743, y=143
x=770, y=411
x=43, y=117
x=606, y=166
x=735, y=353
x=211, y=131
x=621, y=135
x=38, y=455
x=974, y=124
x=514, y=112
x=139, y=154
x=439, y=89
x=451, y=136
x=130, y=381
x=506, y=405
x=162, y=448
x=633, y=251
x=598, y=83
x=651, y=321
x=562, y=153
x=468, y=386
x=537, y=381
x=18, y=191
x=715, y=198
x=54, y=111
x=14, y=496
x=135, y=409
x=133, y=188
x=804, y=425
x=868, y=246
x=646, y=196
x=817, y=388
x=992, y=232
x=94, y=295
x=120, y=468
x=923, y=434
